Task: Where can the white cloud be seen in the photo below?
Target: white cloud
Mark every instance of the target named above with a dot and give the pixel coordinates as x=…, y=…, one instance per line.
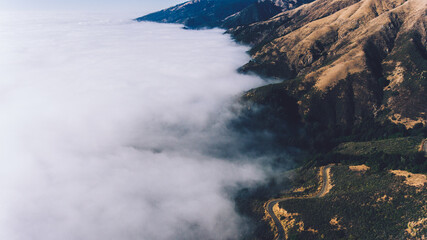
x=103, y=128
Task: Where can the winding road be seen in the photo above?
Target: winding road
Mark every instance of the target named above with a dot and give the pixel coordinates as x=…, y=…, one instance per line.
x=323, y=191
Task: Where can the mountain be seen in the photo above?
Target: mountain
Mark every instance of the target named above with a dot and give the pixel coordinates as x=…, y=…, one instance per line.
x=351, y=59
x=346, y=60
x=199, y=13
x=221, y=13
x=352, y=90
x=258, y=11
x=350, y=70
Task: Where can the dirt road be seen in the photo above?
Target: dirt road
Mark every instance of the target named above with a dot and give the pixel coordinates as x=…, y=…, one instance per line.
x=323, y=191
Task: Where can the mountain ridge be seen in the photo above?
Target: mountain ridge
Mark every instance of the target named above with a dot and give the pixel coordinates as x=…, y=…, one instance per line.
x=198, y=14
x=360, y=44
x=328, y=47
x=352, y=90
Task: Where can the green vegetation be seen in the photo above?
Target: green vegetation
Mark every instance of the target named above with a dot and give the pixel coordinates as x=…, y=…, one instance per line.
x=378, y=161
x=380, y=155
x=250, y=204
x=349, y=123
x=376, y=142
x=305, y=182
x=406, y=145
x=361, y=205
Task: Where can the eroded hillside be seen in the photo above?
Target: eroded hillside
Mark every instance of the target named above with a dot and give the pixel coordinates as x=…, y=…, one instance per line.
x=352, y=91
x=357, y=58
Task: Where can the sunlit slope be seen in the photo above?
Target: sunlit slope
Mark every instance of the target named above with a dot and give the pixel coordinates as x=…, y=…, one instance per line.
x=366, y=57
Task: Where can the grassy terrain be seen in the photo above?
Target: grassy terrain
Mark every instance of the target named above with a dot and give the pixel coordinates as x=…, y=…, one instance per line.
x=361, y=205
x=406, y=145
x=387, y=154
x=374, y=204
x=250, y=201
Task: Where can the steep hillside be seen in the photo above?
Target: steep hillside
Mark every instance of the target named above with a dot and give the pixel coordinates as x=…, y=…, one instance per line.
x=350, y=59
x=222, y=13
x=199, y=13
x=259, y=11
x=343, y=61
x=349, y=67
x=352, y=90
x=352, y=70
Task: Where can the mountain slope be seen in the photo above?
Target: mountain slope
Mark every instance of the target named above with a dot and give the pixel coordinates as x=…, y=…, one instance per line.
x=343, y=62
x=222, y=13
x=353, y=90
x=199, y=13
x=351, y=59
x=259, y=11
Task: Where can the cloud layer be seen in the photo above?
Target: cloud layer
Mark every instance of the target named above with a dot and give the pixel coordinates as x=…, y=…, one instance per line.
x=105, y=125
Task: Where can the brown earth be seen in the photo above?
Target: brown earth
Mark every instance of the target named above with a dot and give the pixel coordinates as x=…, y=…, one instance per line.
x=352, y=59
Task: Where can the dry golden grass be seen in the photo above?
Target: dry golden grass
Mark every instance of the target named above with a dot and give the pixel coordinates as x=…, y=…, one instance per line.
x=407, y=122
x=299, y=190
x=415, y=227
x=396, y=77
x=415, y=180
x=335, y=222
x=345, y=32
x=287, y=220
x=384, y=198
x=359, y=168
x=331, y=75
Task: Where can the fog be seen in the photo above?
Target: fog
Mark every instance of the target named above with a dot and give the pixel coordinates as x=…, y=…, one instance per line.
x=106, y=126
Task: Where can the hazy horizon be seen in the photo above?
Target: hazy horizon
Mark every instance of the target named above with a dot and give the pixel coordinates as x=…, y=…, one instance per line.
x=131, y=6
